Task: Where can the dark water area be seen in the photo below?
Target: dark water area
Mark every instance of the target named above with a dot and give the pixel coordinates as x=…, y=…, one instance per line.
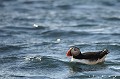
x=36, y=34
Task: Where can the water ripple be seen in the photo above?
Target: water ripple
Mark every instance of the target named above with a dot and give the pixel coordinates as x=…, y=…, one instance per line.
x=8, y=59
x=35, y=35
x=9, y=47
x=112, y=18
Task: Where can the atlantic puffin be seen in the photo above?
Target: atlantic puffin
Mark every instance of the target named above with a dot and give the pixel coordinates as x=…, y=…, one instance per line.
x=90, y=58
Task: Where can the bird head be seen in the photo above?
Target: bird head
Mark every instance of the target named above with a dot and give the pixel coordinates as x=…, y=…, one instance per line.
x=73, y=51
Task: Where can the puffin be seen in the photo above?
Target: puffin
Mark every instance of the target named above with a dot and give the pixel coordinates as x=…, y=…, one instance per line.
x=90, y=58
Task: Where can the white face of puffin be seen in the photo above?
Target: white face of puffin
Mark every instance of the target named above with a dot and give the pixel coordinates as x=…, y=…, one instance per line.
x=75, y=51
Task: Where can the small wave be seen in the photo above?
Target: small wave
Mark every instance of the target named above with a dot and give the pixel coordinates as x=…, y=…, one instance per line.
x=8, y=59
x=1, y=31
x=29, y=2
x=30, y=76
x=4, y=34
x=112, y=18
x=35, y=1
x=23, y=19
x=85, y=25
x=64, y=7
x=114, y=76
x=10, y=47
x=108, y=3
x=1, y=5
x=43, y=62
x=22, y=10
x=7, y=0
x=17, y=28
x=58, y=33
x=115, y=68
x=33, y=58
x=40, y=26
x=77, y=32
x=11, y=30
x=24, y=28
x=17, y=76
x=92, y=76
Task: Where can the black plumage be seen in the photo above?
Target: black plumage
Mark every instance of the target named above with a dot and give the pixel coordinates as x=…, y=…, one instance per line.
x=92, y=55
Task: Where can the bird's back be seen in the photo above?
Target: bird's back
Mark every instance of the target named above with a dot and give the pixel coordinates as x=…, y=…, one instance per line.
x=92, y=55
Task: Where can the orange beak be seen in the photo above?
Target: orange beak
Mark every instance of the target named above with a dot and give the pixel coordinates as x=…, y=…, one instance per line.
x=69, y=52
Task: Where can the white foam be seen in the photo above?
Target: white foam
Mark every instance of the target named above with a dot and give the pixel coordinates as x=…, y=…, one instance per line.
x=35, y=25
x=58, y=40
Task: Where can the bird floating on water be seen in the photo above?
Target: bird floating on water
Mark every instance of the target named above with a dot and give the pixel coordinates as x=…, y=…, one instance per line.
x=90, y=58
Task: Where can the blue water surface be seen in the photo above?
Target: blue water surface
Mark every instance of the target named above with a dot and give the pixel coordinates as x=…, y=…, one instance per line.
x=36, y=34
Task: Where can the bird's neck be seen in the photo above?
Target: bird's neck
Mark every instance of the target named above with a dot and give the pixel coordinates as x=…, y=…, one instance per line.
x=78, y=56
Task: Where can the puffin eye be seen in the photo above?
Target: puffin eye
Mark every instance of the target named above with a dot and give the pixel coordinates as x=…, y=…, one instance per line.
x=75, y=49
